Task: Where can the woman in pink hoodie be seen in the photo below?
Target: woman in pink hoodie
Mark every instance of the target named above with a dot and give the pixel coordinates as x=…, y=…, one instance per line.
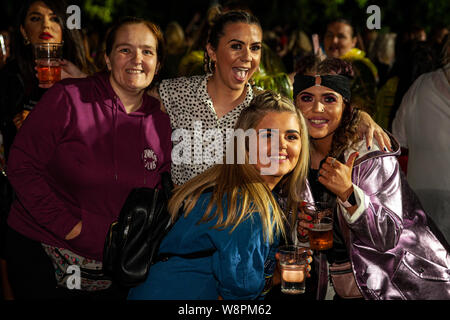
x=86, y=144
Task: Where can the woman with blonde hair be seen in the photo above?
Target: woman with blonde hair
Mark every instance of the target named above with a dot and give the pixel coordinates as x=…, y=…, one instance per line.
x=232, y=56
x=231, y=224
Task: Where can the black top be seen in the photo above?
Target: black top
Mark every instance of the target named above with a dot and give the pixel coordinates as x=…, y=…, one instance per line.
x=15, y=96
x=338, y=253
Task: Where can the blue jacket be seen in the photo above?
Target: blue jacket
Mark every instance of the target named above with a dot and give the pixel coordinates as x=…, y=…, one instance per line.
x=234, y=271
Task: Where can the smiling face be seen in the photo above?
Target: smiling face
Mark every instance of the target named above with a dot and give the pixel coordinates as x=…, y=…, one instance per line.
x=286, y=157
x=338, y=39
x=322, y=108
x=41, y=25
x=133, y=60
x=237, y=55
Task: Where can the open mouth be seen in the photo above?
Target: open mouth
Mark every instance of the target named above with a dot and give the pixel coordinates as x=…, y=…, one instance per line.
x=240, y=73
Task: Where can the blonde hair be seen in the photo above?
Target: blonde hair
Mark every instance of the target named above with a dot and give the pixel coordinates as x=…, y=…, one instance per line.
x=241, y=184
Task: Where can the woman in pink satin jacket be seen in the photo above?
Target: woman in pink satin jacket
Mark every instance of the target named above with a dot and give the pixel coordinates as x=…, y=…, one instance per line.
x=385, y=245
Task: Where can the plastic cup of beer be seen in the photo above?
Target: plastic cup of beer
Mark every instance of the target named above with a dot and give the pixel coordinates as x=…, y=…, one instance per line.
x=321, y=234
x=48, y=58
x=293, y=264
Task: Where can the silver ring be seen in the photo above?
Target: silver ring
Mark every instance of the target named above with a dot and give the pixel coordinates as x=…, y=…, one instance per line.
x=332, y=162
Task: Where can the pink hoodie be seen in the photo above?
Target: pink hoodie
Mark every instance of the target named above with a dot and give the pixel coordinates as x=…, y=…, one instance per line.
x=77, y=156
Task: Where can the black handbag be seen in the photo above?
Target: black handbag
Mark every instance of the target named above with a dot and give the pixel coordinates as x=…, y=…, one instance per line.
x=132, y=243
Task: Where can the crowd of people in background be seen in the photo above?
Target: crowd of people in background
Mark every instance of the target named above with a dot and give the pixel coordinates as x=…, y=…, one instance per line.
x=401, y=80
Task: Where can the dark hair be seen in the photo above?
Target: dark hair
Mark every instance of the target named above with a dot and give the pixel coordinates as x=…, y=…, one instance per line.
x=346, y=133
x=222, y=20
x=154, y=28
x=73, y=48
x=344, y=21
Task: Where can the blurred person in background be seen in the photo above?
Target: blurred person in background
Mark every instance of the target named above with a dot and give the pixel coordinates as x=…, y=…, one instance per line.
x=339, y=41
x=412, y=59
x=422, y=125
x=37, y=22
x=176, y=49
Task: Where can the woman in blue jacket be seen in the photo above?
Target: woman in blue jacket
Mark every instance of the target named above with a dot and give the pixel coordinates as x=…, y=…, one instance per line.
x=231, y=222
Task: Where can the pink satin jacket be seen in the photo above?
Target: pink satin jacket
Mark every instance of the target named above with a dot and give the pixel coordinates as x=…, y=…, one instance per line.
x=396, y=251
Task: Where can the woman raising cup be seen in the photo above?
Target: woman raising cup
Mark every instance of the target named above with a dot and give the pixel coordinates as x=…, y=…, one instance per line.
x=84, y=147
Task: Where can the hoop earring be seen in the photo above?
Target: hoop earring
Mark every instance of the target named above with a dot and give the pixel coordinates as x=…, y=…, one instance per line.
x=205, y=61
x=26, y=41
x=211, y=66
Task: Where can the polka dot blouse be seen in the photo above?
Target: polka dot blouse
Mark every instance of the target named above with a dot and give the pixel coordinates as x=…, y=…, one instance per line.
x=192, y=116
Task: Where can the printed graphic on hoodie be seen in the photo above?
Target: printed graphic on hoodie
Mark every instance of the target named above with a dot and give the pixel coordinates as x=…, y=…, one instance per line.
x=150, y=159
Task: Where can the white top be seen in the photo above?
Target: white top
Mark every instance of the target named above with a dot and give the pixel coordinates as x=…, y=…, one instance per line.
x=195, y=124
x=422, y=124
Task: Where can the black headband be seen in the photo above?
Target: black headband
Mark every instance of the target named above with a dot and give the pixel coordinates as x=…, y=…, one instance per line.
x=340, y=84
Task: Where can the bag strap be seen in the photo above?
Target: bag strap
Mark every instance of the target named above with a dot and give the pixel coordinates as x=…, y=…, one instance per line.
x=166, y=184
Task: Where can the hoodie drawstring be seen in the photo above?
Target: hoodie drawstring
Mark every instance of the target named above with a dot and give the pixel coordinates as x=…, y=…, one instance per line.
x=142, y=144
x=115, y=109
x=114, y=112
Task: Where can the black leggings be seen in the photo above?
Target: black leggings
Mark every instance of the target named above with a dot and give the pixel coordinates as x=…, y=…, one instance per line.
x=32, y=275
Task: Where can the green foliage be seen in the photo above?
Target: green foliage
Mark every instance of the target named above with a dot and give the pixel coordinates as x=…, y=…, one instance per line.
x=102, y=10
x=278, y=82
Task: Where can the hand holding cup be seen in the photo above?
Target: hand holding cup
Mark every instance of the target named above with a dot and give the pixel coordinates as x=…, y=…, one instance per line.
x=293, y=268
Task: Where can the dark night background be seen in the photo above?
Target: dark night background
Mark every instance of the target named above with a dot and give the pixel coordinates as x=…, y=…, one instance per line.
x=308, y=15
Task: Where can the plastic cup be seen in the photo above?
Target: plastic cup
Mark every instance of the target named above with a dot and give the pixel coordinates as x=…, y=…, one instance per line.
x=293, y=266
x=321, y=234
x=48, y=58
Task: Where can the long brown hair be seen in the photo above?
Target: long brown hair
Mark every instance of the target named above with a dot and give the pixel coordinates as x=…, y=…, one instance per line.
x=73, y=48
x=241, y=184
